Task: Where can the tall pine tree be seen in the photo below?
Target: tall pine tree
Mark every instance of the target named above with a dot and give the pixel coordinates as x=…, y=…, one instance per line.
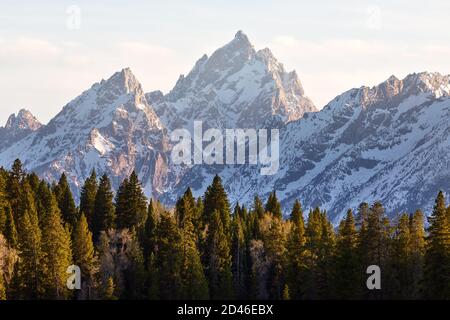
x=87, y=197
x=103, y=217
x=437, y=257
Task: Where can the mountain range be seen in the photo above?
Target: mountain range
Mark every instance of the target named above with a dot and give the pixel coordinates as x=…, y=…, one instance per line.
x=389, y=142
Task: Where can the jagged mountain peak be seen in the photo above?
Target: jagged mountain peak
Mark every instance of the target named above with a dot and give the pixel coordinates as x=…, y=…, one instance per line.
x=24, y=120
x=121, y=82
x=235, y=86
x=392, y=91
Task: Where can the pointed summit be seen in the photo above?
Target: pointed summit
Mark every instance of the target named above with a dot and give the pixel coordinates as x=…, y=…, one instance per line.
x=24, y=120
x=18, y=127
x=122, y=82
x=233, y=87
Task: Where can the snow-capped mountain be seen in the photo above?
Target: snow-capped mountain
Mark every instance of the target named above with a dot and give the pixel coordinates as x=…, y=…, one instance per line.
x=110, y=128
x=389, y=142
x=236, y=87
x=18, y=127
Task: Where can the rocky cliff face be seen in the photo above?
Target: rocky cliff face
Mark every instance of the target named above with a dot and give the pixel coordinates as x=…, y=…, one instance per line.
x=237, y=87
x=389, y=142
x=18, y=127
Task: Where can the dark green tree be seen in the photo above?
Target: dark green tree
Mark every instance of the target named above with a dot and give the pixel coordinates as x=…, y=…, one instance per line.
x=347, y=268
x=87, y=197
x=65, y=201
x=273, y=205
x=131, y=204
x=103, y=217
x=218, y=267
x=296, y=253
x=437, y=257
x=84, y=257
x=57, y=253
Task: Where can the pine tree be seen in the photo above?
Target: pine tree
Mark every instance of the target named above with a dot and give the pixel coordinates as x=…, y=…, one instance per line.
x=169, y=259
x=347, y=269
x=131, y=204
x=195, y=285
x=273, y=205
x=219, y=259
x=84, y=257
x=417, y=235
x=149, y=243
x=31, y=268
x=88, y=196
x=57, y=251
x=10, y=231
x=274, y=239
x=401, y=257
x=134, y=274
x=258, y=207
x=216, y=199
x=437, y=257
x=239, y=254
x=15, y=177
x=44, y=200
x=65, y=201
x=103, y=217
x=296, y=252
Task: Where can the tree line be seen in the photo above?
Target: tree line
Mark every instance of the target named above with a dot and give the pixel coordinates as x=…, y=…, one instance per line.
x=130, y=248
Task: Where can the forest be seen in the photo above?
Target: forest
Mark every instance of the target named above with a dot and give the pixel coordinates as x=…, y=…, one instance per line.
x=130, y=247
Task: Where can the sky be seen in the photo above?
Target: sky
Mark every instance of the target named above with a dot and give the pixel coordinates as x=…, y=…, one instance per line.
x=51, y=51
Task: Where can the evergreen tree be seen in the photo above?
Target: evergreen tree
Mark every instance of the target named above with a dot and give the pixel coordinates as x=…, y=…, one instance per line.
x=239, y=254
x=274, y=239
x=135, y=273
x=273, y=205
x=401, y=257
x=88, y=197
x=65, y=201
x=195, y=285
x=216, y=199
x=44, y=200
x=149, y=243
x=347, y=269
x=103, y=217
x=15, y=177
x=10, y=231
x=84, y=257
x=437, y=257
x=219, y=259
x=169, y=259
x=258, y=207
x=417, y=236
x=296, y=252
x=31, y=268
x=57, y=253
x=131, y=204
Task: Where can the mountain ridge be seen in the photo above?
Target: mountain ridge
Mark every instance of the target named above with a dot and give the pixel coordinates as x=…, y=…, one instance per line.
x=387, y=142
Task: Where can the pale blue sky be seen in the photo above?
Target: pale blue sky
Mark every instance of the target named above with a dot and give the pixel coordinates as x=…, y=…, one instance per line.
x=333, y=45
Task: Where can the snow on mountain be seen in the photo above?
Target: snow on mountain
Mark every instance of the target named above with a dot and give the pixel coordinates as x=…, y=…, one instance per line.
x=389, y=143
x=110, y=128
x=237, y=87
x=18, y=127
